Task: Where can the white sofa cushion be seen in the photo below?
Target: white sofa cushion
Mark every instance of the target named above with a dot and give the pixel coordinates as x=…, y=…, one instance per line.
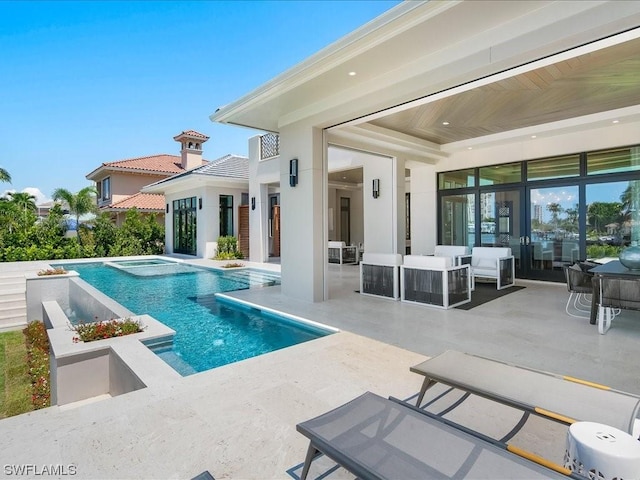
x=450, y=250
x=484, y=262
x=385, y=259
x=491, y=252
x=427, y=262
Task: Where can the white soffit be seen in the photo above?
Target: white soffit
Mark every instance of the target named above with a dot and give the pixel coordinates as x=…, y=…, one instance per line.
x=419, y=48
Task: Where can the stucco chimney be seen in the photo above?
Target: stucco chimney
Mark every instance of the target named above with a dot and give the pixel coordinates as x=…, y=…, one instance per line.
x=191, y=151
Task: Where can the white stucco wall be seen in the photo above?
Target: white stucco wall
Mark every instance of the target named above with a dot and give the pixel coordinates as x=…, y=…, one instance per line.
x=264, y=177
x=208, y=220
x=303, y=232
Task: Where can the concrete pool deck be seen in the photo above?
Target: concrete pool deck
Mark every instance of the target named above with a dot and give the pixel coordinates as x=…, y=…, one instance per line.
x=238, y=421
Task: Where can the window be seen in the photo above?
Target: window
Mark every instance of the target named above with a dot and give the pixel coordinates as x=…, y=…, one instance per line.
x=457, y=179
x=557, y=167
x=613, y=161
x=226, y=215
x=106, y=188
x=499, y=174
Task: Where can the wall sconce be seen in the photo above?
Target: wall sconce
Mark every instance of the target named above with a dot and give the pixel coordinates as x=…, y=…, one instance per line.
x=293, y=172
x=167, y=208
x=376, y=187
x=200, y=203
x=253, y=203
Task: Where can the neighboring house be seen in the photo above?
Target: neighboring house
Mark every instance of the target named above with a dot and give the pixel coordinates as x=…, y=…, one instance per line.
x=204, y=203
x=119, y=183
x=498, y=111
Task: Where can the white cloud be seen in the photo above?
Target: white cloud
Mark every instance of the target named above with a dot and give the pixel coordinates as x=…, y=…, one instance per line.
x=36, y=192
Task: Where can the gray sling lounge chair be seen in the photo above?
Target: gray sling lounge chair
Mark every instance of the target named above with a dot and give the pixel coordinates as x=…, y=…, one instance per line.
x=561, y=398
x=376, y=438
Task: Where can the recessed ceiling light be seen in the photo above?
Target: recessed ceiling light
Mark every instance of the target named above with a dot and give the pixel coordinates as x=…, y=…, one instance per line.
x=469, y=148
x=344, y=178
x=445, y=123
x=616, y=121
x=534, y=136
x=352, y=74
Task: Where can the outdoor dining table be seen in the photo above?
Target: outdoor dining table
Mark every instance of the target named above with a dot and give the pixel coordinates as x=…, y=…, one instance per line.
x=612, y=269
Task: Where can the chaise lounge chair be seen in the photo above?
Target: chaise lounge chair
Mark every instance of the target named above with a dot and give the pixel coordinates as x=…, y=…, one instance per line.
x=376, y=438
x=560, y=398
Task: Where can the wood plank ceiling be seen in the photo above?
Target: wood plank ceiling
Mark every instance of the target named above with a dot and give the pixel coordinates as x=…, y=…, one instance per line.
x=595, y=82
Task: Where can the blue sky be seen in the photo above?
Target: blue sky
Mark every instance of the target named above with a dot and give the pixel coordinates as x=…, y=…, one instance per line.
x=89, y=82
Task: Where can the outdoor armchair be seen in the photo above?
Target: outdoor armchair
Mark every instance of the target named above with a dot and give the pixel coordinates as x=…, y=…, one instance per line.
x=340, y=252
x=434, y=281
x=492, y=262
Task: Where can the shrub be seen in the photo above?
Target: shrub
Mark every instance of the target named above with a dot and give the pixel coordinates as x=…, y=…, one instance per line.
x=228, y=248
x=233, y=265
x=88, y=332
x=38, y=362
x=52, y=271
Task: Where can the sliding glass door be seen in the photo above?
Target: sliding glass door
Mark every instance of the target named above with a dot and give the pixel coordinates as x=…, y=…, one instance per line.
x=185, y=226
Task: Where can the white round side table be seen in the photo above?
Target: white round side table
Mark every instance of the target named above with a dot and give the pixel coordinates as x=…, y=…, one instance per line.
x=601, y=452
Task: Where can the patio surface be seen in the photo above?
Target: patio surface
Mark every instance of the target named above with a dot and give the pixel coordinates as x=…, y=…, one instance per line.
x=238, y=421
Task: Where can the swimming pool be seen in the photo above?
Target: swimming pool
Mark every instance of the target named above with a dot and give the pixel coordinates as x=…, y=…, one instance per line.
x=209, y=332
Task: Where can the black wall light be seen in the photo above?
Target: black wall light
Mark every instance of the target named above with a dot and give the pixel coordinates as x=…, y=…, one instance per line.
x=167, y=208
x=253, y=203
x=293, y=172
x=376, y=187
x=200, y=203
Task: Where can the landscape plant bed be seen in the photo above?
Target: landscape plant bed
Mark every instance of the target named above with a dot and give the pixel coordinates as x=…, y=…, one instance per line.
x=88, y=332
x=37, y=343
x=233, y=265
x=52, y=271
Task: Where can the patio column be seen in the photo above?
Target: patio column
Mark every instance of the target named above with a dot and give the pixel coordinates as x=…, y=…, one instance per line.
x=382, y=228
x=258, y=217
x=302, y=231
x=424, y=215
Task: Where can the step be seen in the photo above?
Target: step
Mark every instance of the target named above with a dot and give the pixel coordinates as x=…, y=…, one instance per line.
x=13, y=282
x=14, y=322
x=12, y=294
x=12, y=302
x=11, y=326
x=13, y=312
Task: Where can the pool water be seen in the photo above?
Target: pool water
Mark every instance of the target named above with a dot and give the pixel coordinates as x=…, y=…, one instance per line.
x=209, y=332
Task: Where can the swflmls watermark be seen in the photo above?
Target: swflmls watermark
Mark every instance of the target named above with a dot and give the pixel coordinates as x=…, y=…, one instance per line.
x=45, y=470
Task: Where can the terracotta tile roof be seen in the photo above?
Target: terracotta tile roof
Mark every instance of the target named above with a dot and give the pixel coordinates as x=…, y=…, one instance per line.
x=193, y=133
x=163, y=163
x=142, y=201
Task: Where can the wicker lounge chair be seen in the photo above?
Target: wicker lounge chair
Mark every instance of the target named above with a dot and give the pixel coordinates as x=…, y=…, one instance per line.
x=376, y=438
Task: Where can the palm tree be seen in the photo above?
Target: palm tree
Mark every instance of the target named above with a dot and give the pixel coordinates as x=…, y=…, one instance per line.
x=79, y=203
x=24, y=202
x=8, y=214
x=4, y=176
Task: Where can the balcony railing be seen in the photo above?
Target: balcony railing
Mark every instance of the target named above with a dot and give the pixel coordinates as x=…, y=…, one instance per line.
x=269, y=146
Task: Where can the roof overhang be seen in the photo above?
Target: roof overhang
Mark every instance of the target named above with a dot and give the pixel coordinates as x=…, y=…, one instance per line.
x=420, y=52
x=104, y=170
x=194, y=180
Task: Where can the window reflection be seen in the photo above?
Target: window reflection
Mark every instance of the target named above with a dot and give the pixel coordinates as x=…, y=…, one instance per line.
x=458, y=224
x=613, y=218
x=499, y=174
x=613, y=161
x=457, y=179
